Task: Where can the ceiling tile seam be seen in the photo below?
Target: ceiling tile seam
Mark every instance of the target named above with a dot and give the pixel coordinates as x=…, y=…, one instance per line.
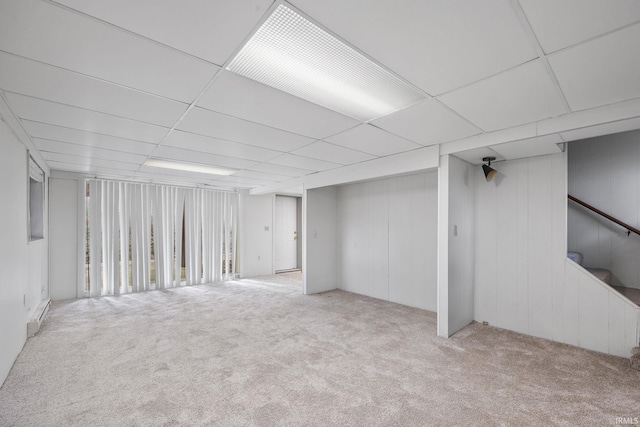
x=28, y=143
x=420, y=101
x=244, y=143
x=264, y=173
x=593, y=38
x=88, y=146
x=86, y=109
x=360, y=123
x=278, y=154
x=44, y=152
x=466, y=85
x=118, y=171
x=352, y=149
x=446, y=107
x=315, y=158
x=112, y=25
x=533, y=38
x=84, y=131
x=274, y=127
x=267, y=163
x=99, y=79
x=402, y=137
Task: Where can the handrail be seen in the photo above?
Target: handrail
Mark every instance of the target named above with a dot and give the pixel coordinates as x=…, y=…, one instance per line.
x=609, y=217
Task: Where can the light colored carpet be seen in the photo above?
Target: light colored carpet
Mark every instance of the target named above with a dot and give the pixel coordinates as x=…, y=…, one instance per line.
x=253, y=353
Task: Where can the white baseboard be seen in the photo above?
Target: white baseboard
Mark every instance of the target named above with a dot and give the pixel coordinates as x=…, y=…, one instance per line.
x=33, y=326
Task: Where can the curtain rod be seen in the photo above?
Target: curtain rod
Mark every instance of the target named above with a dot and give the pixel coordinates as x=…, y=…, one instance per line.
x=197, y=186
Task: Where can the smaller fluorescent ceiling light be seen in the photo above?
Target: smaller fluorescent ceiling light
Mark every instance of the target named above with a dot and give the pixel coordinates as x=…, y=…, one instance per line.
x=292, y=54
x=189, y=167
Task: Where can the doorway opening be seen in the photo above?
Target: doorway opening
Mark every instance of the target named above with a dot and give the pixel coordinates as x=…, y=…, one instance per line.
x=288, y=227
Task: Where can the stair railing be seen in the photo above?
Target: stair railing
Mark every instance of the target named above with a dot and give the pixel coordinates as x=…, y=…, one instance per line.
x=629, y=228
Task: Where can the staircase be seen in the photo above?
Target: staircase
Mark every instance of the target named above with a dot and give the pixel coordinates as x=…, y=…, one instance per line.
x=605, y=276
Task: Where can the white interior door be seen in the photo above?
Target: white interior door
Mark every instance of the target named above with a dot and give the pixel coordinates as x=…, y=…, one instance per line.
x=286, y=234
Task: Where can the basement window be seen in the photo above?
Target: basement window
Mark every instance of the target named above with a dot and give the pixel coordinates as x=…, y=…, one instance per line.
x=35, y=201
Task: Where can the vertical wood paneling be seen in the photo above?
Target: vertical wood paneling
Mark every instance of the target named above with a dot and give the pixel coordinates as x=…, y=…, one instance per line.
x=506, y=247
x=594, y=316
x=570, y=324
x=459, y=235
x=522, y=255
x=540, y=250
x=486, y=243
x=558, y=206
x=616, y=332
x=387, y=239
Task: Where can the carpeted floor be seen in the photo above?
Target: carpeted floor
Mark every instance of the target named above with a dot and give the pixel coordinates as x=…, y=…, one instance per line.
x=254, y=353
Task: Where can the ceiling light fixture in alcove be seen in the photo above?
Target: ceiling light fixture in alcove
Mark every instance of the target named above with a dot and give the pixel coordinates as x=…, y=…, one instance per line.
x=292, y=54
x=489, y=172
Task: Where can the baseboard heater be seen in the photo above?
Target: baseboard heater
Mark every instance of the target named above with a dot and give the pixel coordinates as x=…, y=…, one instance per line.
x=33, y=326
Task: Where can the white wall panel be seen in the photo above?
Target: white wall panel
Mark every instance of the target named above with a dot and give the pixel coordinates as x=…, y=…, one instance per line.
x=320, y=233
x=605, y=172
x=460, y=248
x=257, y=240
x=387, y=239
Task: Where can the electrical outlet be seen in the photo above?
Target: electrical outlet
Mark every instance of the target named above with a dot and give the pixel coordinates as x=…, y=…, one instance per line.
x=259, y=257
x=455, y=230
x=266, y=228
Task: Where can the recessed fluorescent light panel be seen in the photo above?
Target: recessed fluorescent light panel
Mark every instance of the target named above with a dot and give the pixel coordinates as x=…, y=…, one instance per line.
x=290, y=53
x=189, y=167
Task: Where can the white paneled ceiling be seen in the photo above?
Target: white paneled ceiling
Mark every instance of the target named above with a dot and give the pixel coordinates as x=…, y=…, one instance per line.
x=427, y=123
x=559, y=24
x=102, y=86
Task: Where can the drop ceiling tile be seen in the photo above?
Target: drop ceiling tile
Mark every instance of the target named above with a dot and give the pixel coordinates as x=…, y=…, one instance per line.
x=437, y=45
x=559, y=24
x=522, y=95
x=304, y=163
x=44, y=81
x=52, y=113
x=233, y=185
x=86, y=151
x=329, y=152
x=192, y=141
x=216, y=125
x=538, y=146
x=427, y=123
x=475, y=156
x=172, y=153
x=241, y=97
x=602, y=71
x=48, y=33
x=75, y=167
x=89, y=161
x=262, y=175
x=211, y=30
x=281, y=170
x=245, y=180
x=370, y=139
x=74, y=136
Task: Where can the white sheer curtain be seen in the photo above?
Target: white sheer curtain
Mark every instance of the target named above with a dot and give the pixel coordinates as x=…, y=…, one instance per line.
x=136, y=236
